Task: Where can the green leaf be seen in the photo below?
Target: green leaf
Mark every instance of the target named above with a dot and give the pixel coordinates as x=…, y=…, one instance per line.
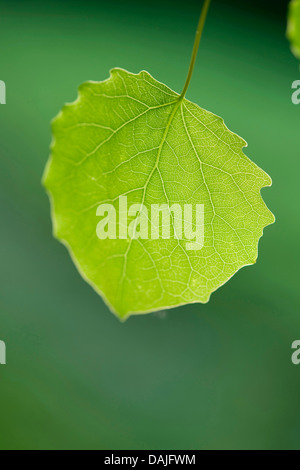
x=131, y=135
x=293, y=31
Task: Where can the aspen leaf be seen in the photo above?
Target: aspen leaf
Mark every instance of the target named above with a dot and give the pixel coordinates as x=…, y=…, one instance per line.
x=293, y=30
x=134, y=137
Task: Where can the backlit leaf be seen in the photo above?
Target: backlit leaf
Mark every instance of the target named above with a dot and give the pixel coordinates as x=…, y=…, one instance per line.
x=293, y=31
x=131, y=135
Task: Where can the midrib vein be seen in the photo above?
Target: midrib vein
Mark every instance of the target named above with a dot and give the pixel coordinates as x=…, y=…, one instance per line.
x=121, y=282
x=160, y=148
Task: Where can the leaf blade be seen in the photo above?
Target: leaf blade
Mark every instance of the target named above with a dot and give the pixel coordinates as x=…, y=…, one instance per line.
x=131, y=135
x=293, y=30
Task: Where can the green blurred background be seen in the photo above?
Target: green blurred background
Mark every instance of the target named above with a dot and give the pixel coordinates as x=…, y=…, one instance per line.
x=215, y=376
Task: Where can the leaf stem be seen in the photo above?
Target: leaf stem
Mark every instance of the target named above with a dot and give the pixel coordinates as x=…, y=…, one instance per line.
x=199, y=32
